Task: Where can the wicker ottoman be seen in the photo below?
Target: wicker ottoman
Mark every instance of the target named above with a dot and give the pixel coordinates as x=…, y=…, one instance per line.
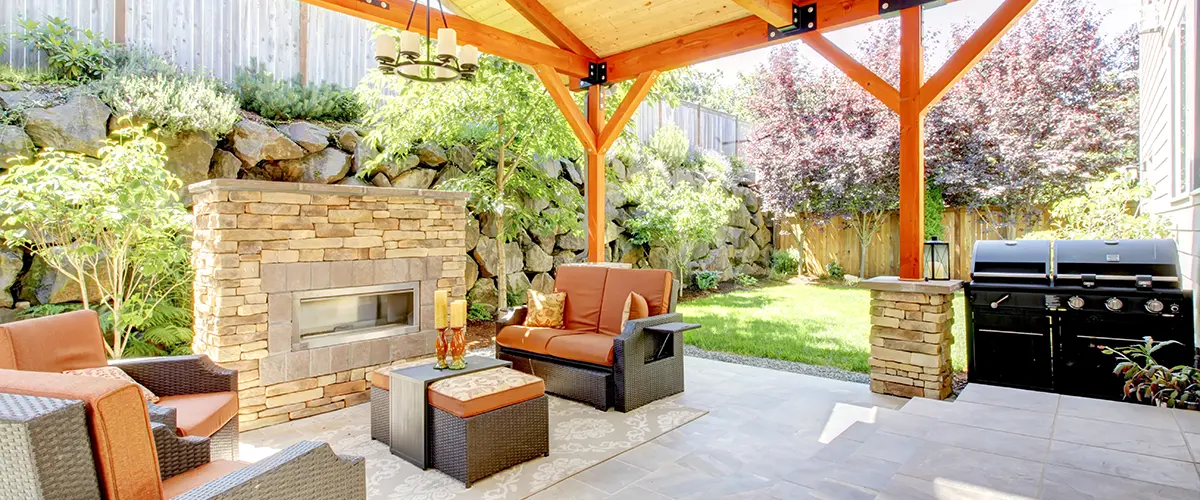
x=486, y=422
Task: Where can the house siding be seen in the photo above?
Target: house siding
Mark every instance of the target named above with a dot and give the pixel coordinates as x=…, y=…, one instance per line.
x=1161, y=132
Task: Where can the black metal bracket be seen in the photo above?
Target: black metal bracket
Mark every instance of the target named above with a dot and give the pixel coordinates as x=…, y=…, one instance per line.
x=895, y=6
x=804, y=20
x=378, y=3
x=597, y=74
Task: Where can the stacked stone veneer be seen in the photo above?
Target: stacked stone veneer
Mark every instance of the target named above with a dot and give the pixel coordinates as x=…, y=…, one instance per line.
x=258, y=242
x=910, y=337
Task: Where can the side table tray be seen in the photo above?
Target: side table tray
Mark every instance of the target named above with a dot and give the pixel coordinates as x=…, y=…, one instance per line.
x=409, y=406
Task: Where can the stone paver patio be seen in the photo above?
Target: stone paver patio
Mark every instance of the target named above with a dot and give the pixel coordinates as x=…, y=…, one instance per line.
x=772, y=434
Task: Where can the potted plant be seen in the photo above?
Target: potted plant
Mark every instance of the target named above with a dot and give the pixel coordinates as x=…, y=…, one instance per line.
x=1150, y=382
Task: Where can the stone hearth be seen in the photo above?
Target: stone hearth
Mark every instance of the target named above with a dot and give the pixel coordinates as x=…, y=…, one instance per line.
x=261, y=248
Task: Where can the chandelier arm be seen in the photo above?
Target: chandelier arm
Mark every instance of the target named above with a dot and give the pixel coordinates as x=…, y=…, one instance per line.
x=412, y=12
x=442, y=11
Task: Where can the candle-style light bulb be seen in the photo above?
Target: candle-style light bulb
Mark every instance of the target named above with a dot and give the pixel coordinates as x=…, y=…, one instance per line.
x=410, y=42
x=385, y=47
x=447, y=42
x=468, y=55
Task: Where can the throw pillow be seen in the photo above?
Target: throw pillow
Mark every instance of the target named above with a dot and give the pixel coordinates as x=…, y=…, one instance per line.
x=636, y=307
x=545, y=309
x=114, y=373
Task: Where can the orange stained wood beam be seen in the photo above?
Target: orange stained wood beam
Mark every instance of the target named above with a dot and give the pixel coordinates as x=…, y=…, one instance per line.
x=597, y=219
x=566, y=104
x=488, y=39
x=912, y=146
x=876, y=86
x=775, y=12
x=542, y=19
x=733, y=37
x=978, y=45
x=626, y=110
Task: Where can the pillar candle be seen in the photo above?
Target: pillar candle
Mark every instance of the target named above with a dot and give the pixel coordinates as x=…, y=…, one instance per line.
x=385, y=47
x=468, y=55
x=441, y=300
x=447, y=42
x=458, y=313
x=410, y=42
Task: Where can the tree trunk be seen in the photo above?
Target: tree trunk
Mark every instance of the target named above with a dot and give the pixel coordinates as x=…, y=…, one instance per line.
x=502, y=275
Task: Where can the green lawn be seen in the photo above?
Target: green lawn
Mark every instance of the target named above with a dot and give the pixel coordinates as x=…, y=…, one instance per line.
x=814, y=324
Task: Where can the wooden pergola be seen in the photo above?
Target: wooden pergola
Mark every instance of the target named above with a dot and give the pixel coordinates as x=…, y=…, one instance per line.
x=594, y=42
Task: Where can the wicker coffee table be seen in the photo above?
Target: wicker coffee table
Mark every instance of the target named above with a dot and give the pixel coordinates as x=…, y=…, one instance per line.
x=409, y=411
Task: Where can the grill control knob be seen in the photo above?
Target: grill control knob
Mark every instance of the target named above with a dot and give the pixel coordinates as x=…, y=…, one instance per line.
x=1174, y=308
x=1076, y=302
x=1114, y=304
x=1154, y=306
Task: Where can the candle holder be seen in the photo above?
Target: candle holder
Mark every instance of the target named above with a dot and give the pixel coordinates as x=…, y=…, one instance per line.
x=458, y=348
x=441, y=347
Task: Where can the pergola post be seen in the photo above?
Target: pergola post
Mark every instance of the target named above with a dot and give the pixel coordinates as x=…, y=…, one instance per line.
x=912, y=146
x=597, y=218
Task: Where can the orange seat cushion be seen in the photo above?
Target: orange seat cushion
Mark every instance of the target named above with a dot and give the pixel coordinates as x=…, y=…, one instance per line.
x=480, y=392
x=200, y=476
x=126, y=462
x=76, y=337
x=594, y=348
x=530, y=338
x=381, y=377
x=584, y=286
x=202, y=414
x=653, y=284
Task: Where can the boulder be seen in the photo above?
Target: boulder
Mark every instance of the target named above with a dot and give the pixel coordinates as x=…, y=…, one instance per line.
x=660, y=258
x=10, y=270
x=430, y=154
x=417, y=178
x=544, y=238
x=273, y=172
x=562, y=257
x=484, y=293
x=363, y=155
x=14, y=142
x=190, y=155
x=471, y=274
x=611, y=232
x=347, y=139
x=629, y=253
x=734, y=236
x=537, y=260
x=309, y=136
x=461, y=156
x=449, y=172
x=751, y=200
x=750, y=269
x=552, y=168
x=542, y=282
x=572, y=173
x=749, y=254
x=225, y=165
x=472, y=233
x=572, y=241
x=326, y=166
x=740, y=217
x=487, y=256
x=381, y=180
x=43, y=284
x=351, y=180
x=79, y=125
x=762, y=235
x=487, y=224
x=518, y=285
x=615, y=195
x=254, y=142
x=617, y=167
x=10, y=99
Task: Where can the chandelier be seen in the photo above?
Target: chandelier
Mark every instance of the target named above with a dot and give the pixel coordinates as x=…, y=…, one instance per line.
x=448, y=64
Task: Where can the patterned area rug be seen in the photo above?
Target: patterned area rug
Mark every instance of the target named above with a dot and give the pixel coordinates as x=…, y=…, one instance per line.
x=580, y=437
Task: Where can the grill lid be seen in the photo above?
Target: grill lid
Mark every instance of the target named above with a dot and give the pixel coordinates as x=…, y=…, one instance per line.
x=1142, y=264
x=1025, y=261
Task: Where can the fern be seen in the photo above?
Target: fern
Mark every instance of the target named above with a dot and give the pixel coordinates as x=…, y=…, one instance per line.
x=47, y=310
x=168, y=335
x=167, y=314
x=138, y=348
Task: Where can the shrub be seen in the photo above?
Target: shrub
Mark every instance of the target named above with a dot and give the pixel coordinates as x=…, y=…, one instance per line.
x=785, y=263
x=71, y=54
x=835, y=270
x=1109, y=208
x=670, y=145
x=706, y=280
x=516, y=298
x=934, y=208
x=153, y=90
x=276, y=99
x=478, y=312
x=1150, y=382
x=745, y=280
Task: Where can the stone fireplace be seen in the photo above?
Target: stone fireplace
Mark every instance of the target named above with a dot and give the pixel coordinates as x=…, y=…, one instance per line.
x=306, y=288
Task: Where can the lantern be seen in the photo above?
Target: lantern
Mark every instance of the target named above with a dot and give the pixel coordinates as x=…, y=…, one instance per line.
x=937, y=260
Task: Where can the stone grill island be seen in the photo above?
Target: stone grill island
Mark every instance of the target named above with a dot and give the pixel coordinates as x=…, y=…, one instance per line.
x=306, y=288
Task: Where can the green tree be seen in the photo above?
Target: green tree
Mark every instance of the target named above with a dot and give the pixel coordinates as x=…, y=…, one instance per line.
x=114, y=226
x=677, y=216
x=1108, y=209
x=510, y=118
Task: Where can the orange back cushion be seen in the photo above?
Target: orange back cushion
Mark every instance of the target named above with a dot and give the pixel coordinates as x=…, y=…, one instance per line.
x=585, y=292
x=68, y=341
x=122, y=443
x=653, y=284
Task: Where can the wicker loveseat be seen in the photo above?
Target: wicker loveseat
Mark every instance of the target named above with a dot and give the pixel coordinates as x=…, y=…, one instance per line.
x=199, y=399
x=591, y=358
x=103, y=445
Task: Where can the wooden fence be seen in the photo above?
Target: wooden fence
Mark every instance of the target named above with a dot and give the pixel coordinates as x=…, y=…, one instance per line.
x=831, y=241
x=706, y=129
x=214, y=36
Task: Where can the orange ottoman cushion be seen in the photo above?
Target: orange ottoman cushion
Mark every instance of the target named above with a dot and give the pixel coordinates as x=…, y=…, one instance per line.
x=480, y=392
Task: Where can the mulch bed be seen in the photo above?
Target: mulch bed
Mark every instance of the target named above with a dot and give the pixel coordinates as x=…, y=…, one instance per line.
x=480, y=335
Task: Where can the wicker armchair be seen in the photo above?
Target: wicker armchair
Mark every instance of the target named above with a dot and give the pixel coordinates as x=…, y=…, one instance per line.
x=194, y=385
x=645, y=359
x=55, y=452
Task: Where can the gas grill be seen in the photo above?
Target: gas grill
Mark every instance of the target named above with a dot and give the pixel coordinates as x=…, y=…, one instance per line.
x=1037, y=312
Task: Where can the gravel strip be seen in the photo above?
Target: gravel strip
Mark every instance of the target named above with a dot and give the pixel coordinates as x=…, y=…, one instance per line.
x=776, y=364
